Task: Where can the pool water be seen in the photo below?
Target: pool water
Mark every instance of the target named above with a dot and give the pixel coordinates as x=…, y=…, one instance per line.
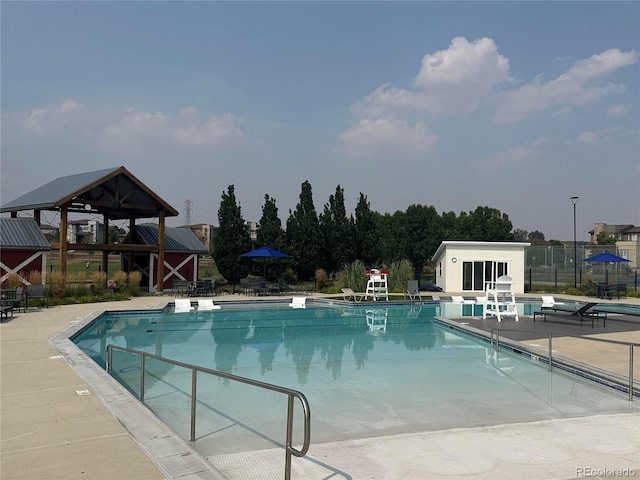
x=366, y=371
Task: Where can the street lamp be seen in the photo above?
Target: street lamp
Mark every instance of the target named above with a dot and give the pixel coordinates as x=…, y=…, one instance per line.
x=574, y=200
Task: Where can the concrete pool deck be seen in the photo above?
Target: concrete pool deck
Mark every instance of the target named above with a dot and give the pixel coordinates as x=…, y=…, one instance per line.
x=57, y=422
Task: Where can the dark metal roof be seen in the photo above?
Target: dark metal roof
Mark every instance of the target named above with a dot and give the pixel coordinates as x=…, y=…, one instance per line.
x=114, y=192
x=22, y=233
x=175, y=239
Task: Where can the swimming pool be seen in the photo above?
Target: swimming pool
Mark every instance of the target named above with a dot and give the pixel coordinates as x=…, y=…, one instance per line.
x=366, y=371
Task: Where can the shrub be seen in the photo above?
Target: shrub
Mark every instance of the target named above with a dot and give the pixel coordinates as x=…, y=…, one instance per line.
x=120, y=279
x=35, y=277
x=399, y=274
x=99, y=282
x=322, y=279
x=354, y=276
x=135, y=278
x=13, y=281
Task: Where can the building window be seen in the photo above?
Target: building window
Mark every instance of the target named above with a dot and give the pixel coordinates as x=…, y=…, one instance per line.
x=475, y=275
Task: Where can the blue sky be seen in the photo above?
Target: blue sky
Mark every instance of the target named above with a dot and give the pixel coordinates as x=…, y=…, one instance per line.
x=512, y=105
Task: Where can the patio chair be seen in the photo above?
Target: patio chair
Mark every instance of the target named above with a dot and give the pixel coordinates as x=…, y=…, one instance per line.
x=348, y=294
x=283, y=286
x=413, y=291
x=182, y=305
x=181, y=287
x=208, y=287
x=298, y=302
x=36, y=292
x=207, y=305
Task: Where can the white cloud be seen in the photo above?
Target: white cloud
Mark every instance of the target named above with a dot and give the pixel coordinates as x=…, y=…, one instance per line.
x=51, y=120
x=450, y=82
x=511, y=156
x=387, y=138
x=138, y=131
x=590, y=137
x=572, y=88
x=619, y=110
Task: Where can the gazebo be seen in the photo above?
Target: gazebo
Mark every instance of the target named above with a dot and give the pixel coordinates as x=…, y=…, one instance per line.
x=114, y=193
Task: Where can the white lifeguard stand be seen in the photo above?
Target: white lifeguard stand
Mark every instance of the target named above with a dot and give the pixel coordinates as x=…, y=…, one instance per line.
x=500, y=301
x=377, y=285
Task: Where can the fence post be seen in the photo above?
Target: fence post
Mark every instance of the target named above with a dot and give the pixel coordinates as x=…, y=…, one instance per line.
x=555, y=278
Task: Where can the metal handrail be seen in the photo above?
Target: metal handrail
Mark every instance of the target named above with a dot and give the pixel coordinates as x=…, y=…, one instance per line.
x=550, y=354
x=290, y=450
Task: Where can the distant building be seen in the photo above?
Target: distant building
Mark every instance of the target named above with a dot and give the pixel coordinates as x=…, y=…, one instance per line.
x=85, y=231
x=204, y=232
x=627, y=239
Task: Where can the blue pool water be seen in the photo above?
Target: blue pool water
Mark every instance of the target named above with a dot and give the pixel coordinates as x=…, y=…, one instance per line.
x=366, y=371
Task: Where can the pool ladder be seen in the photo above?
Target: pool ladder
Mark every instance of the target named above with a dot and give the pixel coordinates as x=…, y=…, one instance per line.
x=291, y=394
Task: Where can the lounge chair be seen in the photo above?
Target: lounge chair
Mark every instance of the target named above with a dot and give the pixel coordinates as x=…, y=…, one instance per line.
x=182, y=305
x=413, y=291
x=181, y=287
x=584, y=313
x=549, y=301
x=207, y=305
x=461, y=299
x=348, y=294
x=298, y=302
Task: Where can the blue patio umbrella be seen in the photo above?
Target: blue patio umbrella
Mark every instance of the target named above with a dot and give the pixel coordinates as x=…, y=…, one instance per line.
x=265, y=252
x=606, y=257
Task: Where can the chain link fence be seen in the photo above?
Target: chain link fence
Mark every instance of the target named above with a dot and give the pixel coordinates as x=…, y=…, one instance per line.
x=554, y=268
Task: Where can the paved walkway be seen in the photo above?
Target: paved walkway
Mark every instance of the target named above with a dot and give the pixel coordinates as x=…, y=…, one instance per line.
x=61, y=418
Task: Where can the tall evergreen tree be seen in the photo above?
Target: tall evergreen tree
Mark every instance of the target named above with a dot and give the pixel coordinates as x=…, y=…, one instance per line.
x=304, y=239
x=366, y=232
x=338, y=243
x=270, y=231
x=422, y=235
x=232, y=239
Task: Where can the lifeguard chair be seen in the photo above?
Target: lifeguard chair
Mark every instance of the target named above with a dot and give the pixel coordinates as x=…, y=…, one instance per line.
x=377, y=285
x=500, y=301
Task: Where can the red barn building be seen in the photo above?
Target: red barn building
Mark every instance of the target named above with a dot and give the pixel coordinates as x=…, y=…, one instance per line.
x=23, y=248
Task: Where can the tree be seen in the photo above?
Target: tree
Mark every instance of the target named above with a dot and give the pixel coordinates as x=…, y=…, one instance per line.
x=536, y=234
x=520, y=235
x=603, y=238
x=336, y=233
x=365, y=232
x=489, y=225
x=421, y=235
x=232, y=239
x=304, y=238
x=270, y=231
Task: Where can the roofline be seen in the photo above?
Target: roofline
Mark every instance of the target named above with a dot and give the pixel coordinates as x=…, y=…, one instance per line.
x=446, y=243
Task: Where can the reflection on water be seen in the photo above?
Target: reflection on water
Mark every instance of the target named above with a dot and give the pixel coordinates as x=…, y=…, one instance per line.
x=349, y=362
x=229, y=340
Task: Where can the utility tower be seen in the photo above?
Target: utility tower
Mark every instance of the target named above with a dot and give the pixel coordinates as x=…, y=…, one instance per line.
x=187, y=211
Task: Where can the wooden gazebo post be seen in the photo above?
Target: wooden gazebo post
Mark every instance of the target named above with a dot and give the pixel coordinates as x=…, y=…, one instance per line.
x=63, y=239
x=160, y=272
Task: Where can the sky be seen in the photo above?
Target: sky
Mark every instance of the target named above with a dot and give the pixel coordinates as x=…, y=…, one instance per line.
x=517, y=106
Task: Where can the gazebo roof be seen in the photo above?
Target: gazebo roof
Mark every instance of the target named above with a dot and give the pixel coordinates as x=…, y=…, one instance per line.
x=114, y=192
x=176, y=239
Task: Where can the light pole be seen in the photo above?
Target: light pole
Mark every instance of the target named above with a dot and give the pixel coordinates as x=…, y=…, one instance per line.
x=574, y=200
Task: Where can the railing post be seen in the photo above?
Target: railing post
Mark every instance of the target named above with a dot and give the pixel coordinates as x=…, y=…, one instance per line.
x=142, y=364
x=631, y=373
x=550, y=351
x=194, y=388
x=289, y=441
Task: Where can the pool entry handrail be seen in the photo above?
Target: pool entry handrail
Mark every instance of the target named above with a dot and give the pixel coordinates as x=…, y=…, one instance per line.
x=291, y=394
x=631, y=345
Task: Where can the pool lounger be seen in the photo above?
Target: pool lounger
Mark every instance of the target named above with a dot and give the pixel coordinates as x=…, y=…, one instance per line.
x=584, y=313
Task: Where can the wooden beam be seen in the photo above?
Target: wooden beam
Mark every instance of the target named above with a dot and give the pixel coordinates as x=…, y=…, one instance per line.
x=100, y=247
x=160, y=272
x=63, y=240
